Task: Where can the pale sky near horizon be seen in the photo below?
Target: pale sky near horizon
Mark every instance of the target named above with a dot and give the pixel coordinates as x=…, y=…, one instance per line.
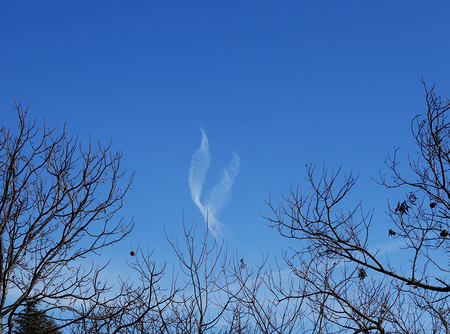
x=278, y=84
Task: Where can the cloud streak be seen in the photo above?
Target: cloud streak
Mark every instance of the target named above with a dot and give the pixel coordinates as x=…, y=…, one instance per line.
x=220, y=194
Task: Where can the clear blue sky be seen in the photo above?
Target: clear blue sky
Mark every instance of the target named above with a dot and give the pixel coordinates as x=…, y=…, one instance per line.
x=281, y=83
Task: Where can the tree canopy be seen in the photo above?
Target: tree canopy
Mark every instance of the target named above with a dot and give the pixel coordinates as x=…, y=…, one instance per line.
x=332, y=280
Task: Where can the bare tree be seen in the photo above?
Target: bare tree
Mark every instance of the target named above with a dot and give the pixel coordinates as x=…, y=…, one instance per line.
x=350, y=286
x=137, y=308
x=206, y=296
x=261, y=299
x=58, y=203
x=57, y=209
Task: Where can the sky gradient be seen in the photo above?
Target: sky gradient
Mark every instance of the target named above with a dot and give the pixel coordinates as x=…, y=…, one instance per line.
x=273, y=86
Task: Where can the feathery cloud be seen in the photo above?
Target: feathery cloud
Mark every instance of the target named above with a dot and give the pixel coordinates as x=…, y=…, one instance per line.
x=220, y=194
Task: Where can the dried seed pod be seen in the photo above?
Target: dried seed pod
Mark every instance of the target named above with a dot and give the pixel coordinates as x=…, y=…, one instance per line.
x=362, y=273
x=402, y=208
x=132, y=253
x=412, y=198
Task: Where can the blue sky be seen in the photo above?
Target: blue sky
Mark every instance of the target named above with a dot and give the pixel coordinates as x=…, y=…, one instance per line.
x=281, y=84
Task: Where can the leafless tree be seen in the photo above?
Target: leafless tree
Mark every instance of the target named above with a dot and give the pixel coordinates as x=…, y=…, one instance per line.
x=351, y=287
x=207, y=295
x=261, y=290
x=58, y=206
x=137, y=308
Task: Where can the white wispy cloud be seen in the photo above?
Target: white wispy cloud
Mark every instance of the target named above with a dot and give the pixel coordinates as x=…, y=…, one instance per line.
x=220, y=194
